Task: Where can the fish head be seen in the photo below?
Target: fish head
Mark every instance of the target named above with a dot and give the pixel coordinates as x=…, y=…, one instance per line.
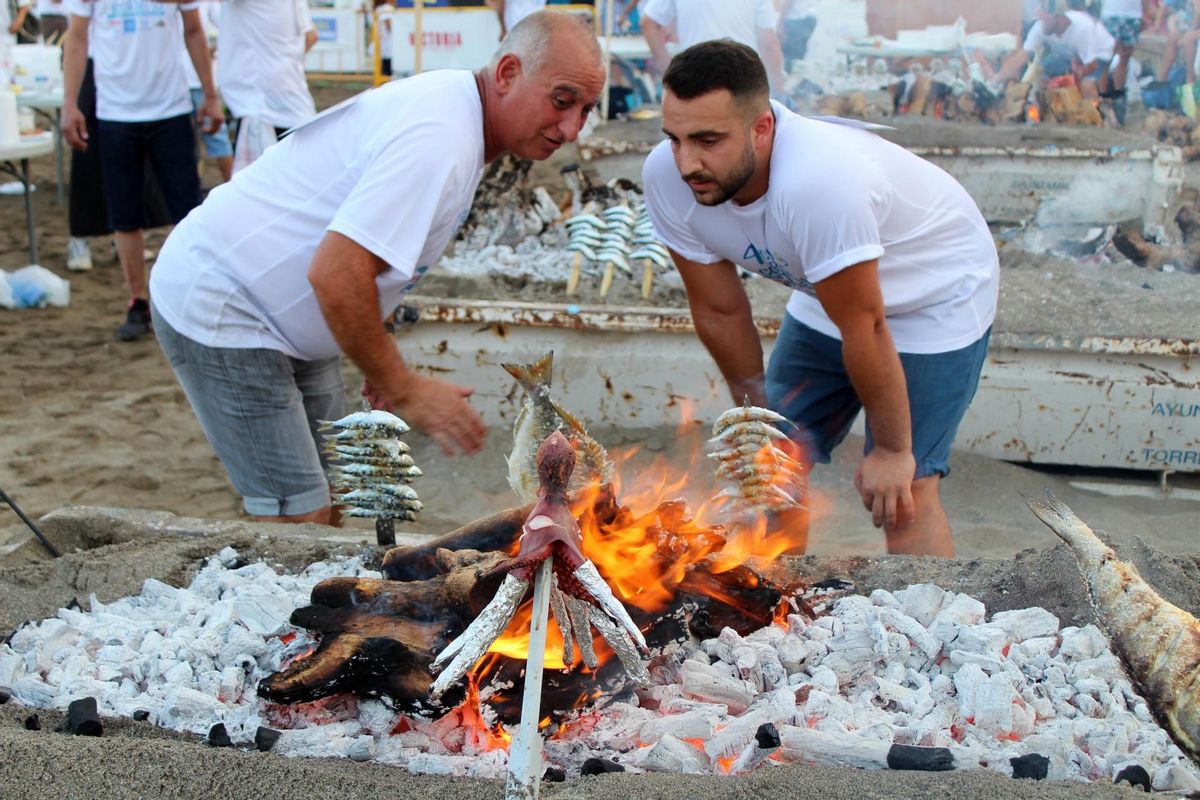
x=555, y=463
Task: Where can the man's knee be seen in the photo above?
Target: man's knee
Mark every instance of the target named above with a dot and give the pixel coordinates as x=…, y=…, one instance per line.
x=322, y=516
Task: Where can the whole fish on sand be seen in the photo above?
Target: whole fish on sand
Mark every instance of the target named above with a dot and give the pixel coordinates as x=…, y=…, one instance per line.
x=1158, y=643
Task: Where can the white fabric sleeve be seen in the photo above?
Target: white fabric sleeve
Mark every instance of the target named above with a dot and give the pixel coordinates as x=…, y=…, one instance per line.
x=304, y=16
x=396, y=203
x=189, y=6
x=1036, y=38
x=833, y=220
x=667, y=213
x=79, y=8
x=766, y=16
x=24, y=3
x=661, y=11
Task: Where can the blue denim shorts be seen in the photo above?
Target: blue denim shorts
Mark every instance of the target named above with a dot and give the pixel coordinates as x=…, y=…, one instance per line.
x=808, y=384
x=259, y=410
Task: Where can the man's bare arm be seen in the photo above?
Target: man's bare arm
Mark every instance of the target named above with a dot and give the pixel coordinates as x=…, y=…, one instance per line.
x=772, y=56
x=854, y=302
x=343, y=277
x=725, y=324
x=75, y=48
x=656, y=37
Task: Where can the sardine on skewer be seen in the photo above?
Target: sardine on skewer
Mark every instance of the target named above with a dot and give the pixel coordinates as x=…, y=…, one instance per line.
x=1159, y=643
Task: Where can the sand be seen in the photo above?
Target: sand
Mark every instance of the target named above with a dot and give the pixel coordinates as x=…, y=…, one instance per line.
x=85, y=419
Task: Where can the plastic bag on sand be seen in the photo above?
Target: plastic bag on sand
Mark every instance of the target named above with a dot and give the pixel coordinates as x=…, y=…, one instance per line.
x=35, y=287
x=255, y=135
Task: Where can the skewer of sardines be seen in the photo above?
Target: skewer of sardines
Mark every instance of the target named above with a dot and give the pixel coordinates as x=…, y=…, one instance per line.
x=583, y=239
x=373, y=470
x=759, y=476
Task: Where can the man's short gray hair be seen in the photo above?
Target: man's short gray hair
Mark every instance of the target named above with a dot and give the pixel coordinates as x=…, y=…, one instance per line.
x=530, y=39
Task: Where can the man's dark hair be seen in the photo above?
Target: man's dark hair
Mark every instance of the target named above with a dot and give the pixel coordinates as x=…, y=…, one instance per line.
x=719, y=64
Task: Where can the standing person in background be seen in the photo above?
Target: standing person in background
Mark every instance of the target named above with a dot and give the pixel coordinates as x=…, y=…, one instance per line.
x=217, y=146
x=511, y=12
x=262, y=44
x=749, y=22
x=797, y=21
x=144, y=109
x=385, y=13
x=52, y=15
x=13, y=15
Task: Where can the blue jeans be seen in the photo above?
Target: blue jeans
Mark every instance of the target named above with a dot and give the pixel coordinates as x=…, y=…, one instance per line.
x=216, y=145
x=807, y=383
x=259, y=410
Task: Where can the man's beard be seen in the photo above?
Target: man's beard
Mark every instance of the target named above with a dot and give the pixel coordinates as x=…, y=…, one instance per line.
x=730, y=186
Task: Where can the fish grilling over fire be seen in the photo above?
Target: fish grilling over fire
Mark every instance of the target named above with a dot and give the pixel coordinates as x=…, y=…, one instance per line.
x=540, y=417
x=1158, y=642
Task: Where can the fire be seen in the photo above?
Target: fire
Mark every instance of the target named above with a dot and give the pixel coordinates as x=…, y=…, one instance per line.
x=646, y=553
x=486, y=738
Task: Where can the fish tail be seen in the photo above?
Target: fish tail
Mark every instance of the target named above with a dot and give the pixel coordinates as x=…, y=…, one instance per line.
x=534, y=378
x=1057, y=517
x=595, y=456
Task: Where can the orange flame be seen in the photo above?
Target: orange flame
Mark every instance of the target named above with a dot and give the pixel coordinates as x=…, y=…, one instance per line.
x=647, y=551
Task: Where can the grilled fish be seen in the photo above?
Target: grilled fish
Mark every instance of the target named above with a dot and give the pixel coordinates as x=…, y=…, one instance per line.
x=1159, y=643
x=539, y=417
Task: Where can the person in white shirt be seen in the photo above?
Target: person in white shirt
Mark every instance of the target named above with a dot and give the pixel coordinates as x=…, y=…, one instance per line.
x=217, y=146
x=144, y=109
x=303, y=255
x=751, y=22
x=261, y=67
x=52, y=16
x=511, y=12
x=895, y=277
x=1085, y=41
x=385, y=17
x=12, y=23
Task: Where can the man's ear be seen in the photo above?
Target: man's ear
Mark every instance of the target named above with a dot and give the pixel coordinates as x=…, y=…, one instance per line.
x=508, y=70
x=763, y=129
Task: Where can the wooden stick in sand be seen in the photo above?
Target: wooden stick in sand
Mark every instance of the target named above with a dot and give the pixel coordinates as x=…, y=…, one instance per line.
x=525, y=754
x=576, y=269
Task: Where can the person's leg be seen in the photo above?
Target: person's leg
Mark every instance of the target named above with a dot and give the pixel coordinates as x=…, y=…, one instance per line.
x=1189, y=55
x=172, y=148
x=1169, y=56
x=123, y=147
x=253, y=414
x=940, y=389
x=324, y=393
x=806, y=382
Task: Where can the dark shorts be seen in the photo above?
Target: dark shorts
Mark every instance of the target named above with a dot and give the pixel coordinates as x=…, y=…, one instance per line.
x=171, y=148
x=808, y=384
x=259, y=410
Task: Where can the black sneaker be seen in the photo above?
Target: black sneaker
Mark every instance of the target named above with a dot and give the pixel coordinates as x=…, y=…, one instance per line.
x=137, y=322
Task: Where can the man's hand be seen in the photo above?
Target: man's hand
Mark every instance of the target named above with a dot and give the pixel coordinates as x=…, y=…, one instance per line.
x=436, y=408
x=74, y=127
x=884, y=479
x=211, y=114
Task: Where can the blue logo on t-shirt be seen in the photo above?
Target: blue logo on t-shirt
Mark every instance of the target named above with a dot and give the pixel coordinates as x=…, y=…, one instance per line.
x=775, y=268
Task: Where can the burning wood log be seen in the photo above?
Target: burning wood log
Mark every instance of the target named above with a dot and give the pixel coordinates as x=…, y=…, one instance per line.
x=1185, y=256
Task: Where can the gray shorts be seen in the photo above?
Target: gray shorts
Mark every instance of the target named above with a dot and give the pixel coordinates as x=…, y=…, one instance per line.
x=259, y=410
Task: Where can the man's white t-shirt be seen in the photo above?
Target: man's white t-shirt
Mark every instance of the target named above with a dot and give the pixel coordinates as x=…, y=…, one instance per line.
x=261, y=47
x=1131, y=9
x=801, y=9
x=136, y=47
x=698, y=21
x=6, y=19
x=386, y=14
x=1085, y=37
x=840, y=196
x=48, y=8
x=395, y=169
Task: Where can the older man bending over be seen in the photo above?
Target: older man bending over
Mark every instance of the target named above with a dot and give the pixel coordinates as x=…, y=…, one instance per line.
x=303, y=255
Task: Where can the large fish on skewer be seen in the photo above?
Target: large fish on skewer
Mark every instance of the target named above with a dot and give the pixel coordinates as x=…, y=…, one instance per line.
x=540, y=416
x=1159, y=643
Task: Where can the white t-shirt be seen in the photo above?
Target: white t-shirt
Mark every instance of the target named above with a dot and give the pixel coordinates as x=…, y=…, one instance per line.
x=1085, y=37
x=387, y=20
x=136, y=46
x=6, y=19
x=395, y=169
x=840, y=196
x=517, y=10
x=261, y=48
x=52, y=8
x=1121, y=8
x=701, y=20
